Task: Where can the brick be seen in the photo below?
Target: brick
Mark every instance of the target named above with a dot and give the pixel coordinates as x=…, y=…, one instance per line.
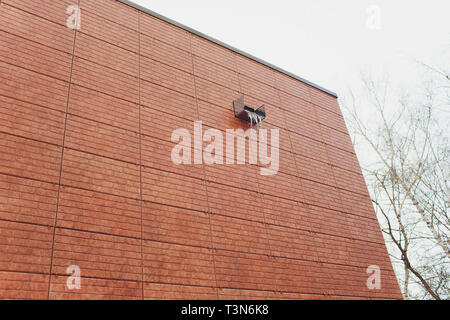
x=23, y=286
x=161, y=125
x=287, y=213
x=97, y=212
x=170, y=224
x=297, y=276
x=255, y=70
x=25, y=247
x=291, y=243
x=331, y=119
x=216, y=73
x=282, y=185
x=343, y=159
x=104, y=140
x=317, y=171
x=322, y=195
x=173, y=189
x=105, y=80
x=97, y=255
x=303, y=126
x=34, y=56
x=103, y=108
x=218, y=117
x=157, y=154
x=168, y=101
x=113, y=11
x=29, y=159
x=31, y=121
x=234, y=202
x=337, y=139
x=244, y=271
x=356, y=203
x=177, y=264
x=239, y=235
x=246, y=295
x=325, y=101
x=91, y=172
x=95, y=25
x=165, y=53
x=26, y=25
x=164, y=32
x=28, y=201
x=292, y=86
x=47, y=9
x=167, y=76
x=236, y=175
x=212, y=52
x=106, y=54
x=329, y=221
x=299, y=106
x=158, y=291
x=350, y=180
x=95, y=289
x=259, y=90
x=307, y=147
x=213, y=93
x=332, y=249
x=32, y=87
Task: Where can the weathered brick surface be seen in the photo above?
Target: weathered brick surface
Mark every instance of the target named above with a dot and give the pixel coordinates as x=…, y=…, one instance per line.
x=28, y=201
x=86, y=176
x=97, y=255
x=178, y=264
x=31, y=121
x=34, y=56
x=158, y=291
x=32, y=87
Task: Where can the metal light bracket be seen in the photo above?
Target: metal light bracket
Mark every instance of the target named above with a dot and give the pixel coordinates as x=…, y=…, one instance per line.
x=248, y=114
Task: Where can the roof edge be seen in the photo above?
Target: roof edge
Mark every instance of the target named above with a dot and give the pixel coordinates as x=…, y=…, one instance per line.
x=222, y=44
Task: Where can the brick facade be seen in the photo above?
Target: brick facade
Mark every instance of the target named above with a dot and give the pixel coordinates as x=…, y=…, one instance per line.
x=86, y=176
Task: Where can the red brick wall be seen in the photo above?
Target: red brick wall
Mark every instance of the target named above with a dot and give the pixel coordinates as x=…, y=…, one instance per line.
x=86, y=176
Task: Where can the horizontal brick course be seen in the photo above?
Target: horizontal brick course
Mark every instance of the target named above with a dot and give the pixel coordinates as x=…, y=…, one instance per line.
x=95, y=173
x=32, y=87
x=29, y=159
x=35, y=28
x=98, y=256
x=176, y=225
x=177, y=264
x=25, y=247
x=34, y=56
x=98, y=212
x=157, y=291
x=31, y=121
x=28, y=201
x=95, y=289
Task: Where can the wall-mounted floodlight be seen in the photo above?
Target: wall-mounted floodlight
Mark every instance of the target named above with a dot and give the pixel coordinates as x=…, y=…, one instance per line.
x=248, y=114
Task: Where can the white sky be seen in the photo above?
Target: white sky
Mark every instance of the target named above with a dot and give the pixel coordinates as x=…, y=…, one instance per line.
x=324, y=41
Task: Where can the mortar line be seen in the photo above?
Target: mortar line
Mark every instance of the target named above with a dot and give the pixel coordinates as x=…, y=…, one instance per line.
x=213, y=248
x=140, y=154
x=61, y=162
x=296, y=168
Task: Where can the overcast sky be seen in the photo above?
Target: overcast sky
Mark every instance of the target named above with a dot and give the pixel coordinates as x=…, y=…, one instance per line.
x=325, y=41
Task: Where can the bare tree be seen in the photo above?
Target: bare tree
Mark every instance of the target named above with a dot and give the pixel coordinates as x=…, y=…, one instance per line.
x=404, y=151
